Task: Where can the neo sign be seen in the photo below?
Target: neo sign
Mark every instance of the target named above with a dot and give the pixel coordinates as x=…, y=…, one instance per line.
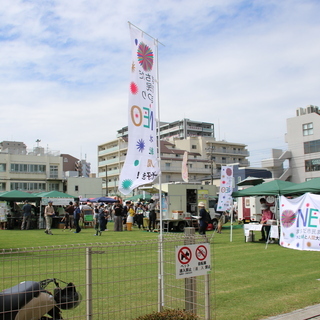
x=192, y=260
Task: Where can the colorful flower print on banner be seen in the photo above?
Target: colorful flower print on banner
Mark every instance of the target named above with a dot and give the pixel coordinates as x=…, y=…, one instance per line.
x=141, y=164
x=300, y=222
x=225, y=199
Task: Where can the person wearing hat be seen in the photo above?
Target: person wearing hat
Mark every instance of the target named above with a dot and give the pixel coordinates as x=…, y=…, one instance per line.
x=202, y=218
x=48, y=215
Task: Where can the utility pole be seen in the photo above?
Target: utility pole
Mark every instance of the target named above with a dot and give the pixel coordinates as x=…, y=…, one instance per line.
x=106, y=180
x=210, y=150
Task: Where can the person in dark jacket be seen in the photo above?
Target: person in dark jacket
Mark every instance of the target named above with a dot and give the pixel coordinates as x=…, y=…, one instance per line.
x=118, y=226
x=152, y=215
x=26, y=211
x=76, y=217
x=203, y=223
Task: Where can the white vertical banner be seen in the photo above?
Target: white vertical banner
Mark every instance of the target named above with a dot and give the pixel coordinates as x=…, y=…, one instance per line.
x=225, y=199
x=141, y=164
x=184, y=169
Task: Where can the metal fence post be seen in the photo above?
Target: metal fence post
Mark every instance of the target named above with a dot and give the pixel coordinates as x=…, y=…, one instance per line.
x=190, y=283
x=89, y=283
x=207, y=296
x=160, y=275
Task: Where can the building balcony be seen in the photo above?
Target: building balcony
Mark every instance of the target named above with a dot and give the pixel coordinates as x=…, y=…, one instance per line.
x=108, y=150
x=194, y=128
x=177, y=169
x=230, y=152
x=109, y=173
x=113, y=161
x=111, y=184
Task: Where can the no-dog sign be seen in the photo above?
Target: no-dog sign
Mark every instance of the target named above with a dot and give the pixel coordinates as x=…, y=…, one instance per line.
x=192, y=260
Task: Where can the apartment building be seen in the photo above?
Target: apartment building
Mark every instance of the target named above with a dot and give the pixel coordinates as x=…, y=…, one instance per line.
x=303, y=153
x=35, y=170
x=180, y=129
x=205, y=154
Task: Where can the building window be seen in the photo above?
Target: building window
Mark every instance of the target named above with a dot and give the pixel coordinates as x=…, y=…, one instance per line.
x=307, y=129
x=28, y=186
x=168, y=165
x=53, y=186
x=206, y=166
x=76, y=188
x=312, y=146
x=53, y=171
x=312, y=165
x=193, y=146
x=33, y=168
x=2, y=186
x=3, y=167
x=190, y=165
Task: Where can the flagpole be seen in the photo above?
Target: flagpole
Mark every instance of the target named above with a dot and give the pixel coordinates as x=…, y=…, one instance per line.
x=161, y=275
x=160, y=241
x=231, y=222
x=161, y=262
x=157, y=41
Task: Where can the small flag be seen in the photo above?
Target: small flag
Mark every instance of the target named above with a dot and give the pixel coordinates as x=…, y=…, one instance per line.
x=184, y=169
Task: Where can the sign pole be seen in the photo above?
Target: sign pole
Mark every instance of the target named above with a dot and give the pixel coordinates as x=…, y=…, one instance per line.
x=190, y=283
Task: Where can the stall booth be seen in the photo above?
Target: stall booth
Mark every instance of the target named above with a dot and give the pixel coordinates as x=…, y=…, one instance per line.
x=59, y=201
x=268, y=190
x=11, y=203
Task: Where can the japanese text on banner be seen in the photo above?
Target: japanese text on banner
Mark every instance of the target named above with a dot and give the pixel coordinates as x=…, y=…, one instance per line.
x=225, y=198
x=141, y=164
x=300, y=222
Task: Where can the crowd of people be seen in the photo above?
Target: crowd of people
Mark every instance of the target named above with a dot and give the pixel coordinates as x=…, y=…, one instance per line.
x=124, y=216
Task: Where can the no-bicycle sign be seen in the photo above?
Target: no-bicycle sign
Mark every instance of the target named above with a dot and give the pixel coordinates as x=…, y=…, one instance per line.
x=192, y=260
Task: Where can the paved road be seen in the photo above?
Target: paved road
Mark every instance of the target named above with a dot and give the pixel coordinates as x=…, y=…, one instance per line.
x=308, y=313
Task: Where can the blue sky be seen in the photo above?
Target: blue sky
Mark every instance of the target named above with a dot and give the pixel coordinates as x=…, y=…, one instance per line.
x=243, y=65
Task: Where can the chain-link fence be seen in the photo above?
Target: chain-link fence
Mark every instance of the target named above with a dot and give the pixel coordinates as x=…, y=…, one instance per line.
x=116, y=280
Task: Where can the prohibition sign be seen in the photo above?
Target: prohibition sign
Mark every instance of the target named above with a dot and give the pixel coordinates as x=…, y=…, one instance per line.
x=184, y=253
x=201, y=253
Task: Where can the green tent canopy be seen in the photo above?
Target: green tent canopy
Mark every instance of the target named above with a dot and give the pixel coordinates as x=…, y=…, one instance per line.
x=54, y=194
x=274, y=187
x=312, y=186
x=17, y=195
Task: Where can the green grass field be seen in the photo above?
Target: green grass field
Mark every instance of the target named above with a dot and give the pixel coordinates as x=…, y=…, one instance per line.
x=248, y=281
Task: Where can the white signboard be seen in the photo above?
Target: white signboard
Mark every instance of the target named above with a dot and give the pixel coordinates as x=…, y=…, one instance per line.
x=56, y=201
x=192, y=260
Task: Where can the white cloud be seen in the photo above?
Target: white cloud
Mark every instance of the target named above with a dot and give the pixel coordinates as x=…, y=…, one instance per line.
x=243, y=65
